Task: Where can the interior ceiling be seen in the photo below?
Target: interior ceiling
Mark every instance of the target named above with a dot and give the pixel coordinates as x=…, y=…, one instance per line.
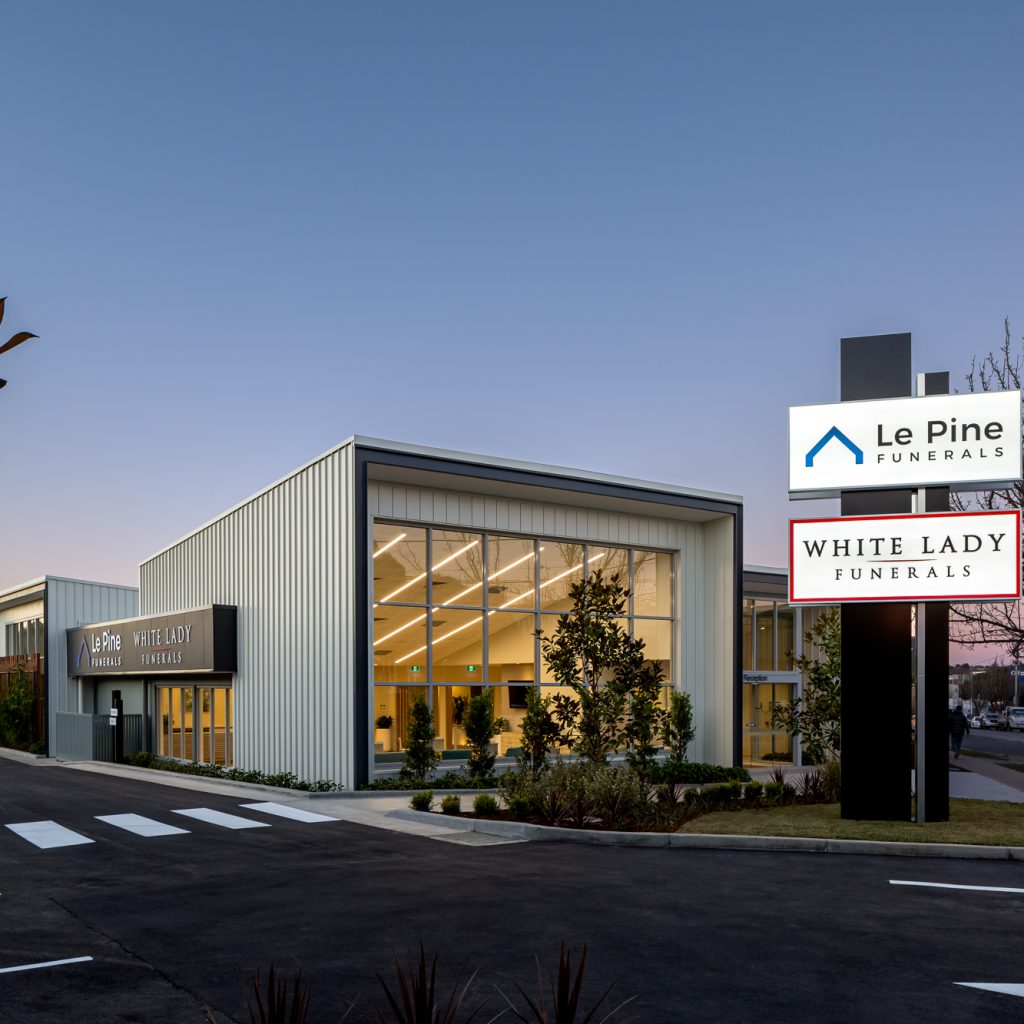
x=528, y=492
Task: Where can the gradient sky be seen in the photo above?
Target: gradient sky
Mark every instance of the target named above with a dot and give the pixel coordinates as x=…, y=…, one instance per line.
x=620, y=237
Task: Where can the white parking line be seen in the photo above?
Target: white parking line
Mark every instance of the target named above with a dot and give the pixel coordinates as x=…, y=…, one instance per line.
x=949, y=885
x=1005, y=988
x=45, y=963
x=142, y=826
x=285, y=811
x=48, y=834
x=220, y=818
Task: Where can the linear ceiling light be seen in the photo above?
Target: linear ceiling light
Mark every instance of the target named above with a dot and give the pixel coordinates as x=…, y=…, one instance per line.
x=451, y=600
x=390, y=544
x=459, y=629
x=423, y=575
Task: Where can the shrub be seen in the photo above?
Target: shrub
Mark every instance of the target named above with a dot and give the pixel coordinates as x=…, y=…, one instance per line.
x=753, y=792
x=619, y=798
x=521, y=807
x=831, y=780
x=810, y=787
x=481, y=727
x=16, y=711
x=484, y=803
x=420, y=756
x=143, y=759
x=423, y=801
x=678, y=732
x=446, y=780
x=539, y=732
x=695, y=773
x=451, y=804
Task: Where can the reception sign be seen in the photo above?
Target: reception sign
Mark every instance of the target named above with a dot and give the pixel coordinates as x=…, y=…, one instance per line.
x=959, y=441
x=955, y=556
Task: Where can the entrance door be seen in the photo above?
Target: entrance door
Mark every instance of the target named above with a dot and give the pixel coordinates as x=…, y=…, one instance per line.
x=194, y=724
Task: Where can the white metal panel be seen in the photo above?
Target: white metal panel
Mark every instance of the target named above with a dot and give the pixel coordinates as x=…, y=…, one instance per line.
x=285, y=560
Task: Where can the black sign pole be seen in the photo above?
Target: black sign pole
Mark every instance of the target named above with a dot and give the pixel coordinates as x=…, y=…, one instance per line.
x=875, y=637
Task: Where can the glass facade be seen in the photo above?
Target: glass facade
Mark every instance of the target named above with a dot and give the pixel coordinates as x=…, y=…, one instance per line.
x=194, y=724
x=457, y=611
x=23, y=639
x=769, y=630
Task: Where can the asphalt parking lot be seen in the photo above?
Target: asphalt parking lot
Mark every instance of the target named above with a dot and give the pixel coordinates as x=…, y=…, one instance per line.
x=170, y=920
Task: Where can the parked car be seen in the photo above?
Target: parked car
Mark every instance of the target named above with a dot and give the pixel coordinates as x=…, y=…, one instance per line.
x=976, y=722
x=1012, y=718
x=990, y=720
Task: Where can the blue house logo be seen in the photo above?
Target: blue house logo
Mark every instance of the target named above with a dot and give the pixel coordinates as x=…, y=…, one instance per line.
x=836, y=433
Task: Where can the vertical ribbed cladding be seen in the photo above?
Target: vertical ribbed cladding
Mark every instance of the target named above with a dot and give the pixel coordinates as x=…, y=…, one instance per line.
x=283, y=558
x=71, y=603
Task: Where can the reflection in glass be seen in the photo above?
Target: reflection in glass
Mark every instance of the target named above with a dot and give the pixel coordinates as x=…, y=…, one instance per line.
x=611, y=562
x=457, y=568
x=399, y=563
x=748, y=635
x=511, y=568
x=764, y=635
x=561, y=565
x=652, y=583
x=786, y=618
x=402, y=657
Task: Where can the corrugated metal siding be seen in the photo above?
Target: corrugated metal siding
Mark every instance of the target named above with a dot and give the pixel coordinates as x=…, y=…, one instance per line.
x=285, y=560
x=705, y=582
x=71, y=603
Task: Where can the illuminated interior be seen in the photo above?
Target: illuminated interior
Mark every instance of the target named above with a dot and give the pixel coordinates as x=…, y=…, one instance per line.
x=768, y=644
x=195, y=724
x=455, y=612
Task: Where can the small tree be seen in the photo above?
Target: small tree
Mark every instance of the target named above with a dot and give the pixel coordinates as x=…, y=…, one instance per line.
x=815, y=717
x=592, y=654
x=420, y=756
x=679, y=732
x=539, y=731
x=16, y=710
x=645, y=718
x=481, y=727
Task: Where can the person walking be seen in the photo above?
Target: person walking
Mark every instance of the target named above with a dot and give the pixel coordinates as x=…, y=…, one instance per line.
x=958, y=728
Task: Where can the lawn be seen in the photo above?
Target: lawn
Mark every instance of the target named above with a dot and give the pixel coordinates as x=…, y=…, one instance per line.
x=980, y=822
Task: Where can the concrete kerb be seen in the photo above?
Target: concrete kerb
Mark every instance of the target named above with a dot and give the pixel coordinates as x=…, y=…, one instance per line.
x=675, y=840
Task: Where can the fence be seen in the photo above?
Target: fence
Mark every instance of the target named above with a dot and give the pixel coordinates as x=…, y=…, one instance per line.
x=35, y=675
x=91, y=737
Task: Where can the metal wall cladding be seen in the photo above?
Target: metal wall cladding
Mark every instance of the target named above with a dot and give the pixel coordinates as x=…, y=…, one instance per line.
x=705, y=584
x=71, y=603
x=284, y=558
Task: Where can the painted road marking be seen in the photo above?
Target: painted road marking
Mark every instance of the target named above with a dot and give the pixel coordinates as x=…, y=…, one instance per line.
x=285, y=811
x=222, y=819
x=949, y=885
x=45, y=963
x=1005, y=988
x=48, y=834
x=142, y=826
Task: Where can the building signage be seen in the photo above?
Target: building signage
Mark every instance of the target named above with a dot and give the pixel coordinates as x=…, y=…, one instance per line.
x=954, y=556
x=203, y=640
x=960, y=441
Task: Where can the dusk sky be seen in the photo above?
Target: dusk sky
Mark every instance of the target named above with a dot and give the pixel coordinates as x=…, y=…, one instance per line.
x=618, y=237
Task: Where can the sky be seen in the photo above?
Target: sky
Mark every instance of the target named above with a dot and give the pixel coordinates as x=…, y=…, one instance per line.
x=618, y=237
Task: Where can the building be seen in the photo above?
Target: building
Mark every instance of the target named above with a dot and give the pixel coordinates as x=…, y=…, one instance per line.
x=34, y=618
x=383, y=571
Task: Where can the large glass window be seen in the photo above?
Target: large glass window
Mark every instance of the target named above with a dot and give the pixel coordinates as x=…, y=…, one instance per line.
x=24, y=639
x=455, y=612
x=194, y=724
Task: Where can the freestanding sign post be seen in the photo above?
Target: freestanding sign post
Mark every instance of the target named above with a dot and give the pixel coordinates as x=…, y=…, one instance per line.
x=870, y=449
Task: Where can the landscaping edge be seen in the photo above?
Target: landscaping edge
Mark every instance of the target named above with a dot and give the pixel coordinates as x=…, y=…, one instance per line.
x=772, y=844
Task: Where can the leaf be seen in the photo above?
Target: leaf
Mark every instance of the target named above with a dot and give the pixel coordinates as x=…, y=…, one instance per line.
x=2, y=301
x=16, y=340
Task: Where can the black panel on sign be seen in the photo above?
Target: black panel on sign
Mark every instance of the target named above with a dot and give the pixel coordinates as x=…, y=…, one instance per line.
x=874, y=367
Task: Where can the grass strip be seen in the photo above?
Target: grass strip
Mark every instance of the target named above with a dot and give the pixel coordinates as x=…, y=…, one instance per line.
x=972, y=822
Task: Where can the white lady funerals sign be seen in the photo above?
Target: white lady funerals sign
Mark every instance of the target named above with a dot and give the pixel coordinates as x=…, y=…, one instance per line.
x=959, y=441
x=954, y=556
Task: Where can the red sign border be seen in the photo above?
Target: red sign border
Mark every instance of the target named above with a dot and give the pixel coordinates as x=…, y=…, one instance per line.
x=957, y=598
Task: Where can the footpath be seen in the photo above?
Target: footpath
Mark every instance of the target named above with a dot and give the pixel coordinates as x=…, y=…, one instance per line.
x=969, y=778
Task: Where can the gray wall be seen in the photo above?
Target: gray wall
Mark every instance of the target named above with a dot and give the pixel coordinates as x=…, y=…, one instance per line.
x=71, y=603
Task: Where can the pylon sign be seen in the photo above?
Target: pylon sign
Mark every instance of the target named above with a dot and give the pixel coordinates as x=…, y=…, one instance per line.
x=939, y=556
x=960, y=441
